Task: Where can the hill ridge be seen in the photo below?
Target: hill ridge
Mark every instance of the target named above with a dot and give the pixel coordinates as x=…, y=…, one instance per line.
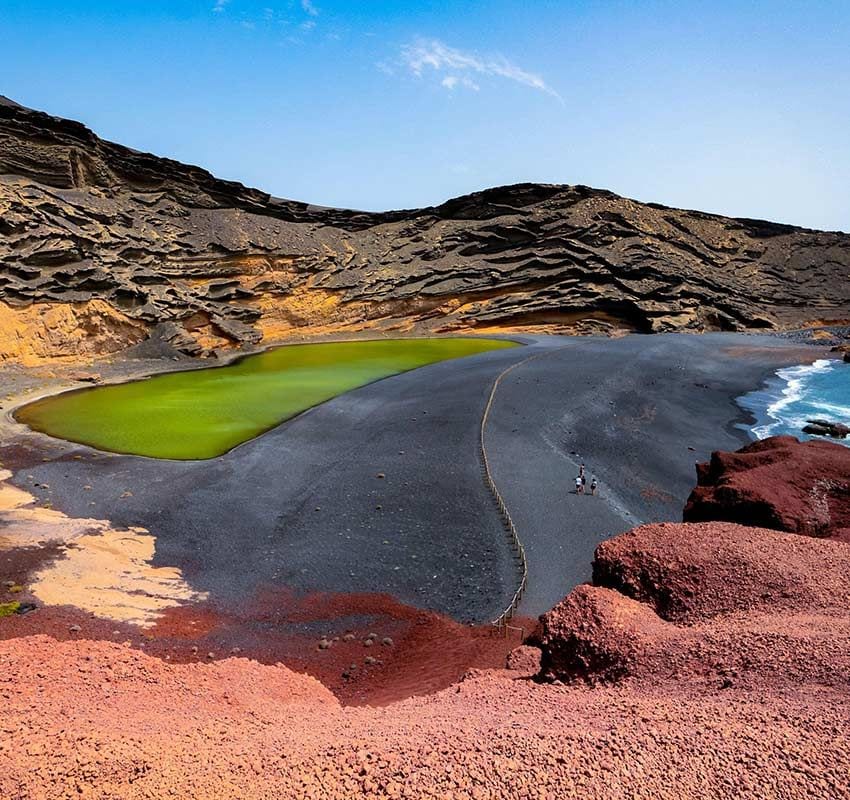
x=129, y=246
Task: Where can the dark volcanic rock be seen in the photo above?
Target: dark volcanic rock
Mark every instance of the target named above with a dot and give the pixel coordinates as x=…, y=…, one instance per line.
x=777, y=483
x=83, y=219
x=823, y=427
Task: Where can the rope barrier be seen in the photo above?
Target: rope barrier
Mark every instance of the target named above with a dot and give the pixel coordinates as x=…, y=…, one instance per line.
x=501, y=622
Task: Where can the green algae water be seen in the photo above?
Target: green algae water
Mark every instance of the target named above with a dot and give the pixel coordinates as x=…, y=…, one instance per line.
x=204, y=413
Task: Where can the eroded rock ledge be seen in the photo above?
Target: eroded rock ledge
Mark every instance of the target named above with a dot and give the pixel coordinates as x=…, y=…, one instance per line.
x=207, y=264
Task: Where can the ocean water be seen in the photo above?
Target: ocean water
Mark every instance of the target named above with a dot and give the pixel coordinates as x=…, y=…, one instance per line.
x=796, y=394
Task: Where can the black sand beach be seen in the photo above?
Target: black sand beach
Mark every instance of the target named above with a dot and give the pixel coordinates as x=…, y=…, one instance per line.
x=380, y=490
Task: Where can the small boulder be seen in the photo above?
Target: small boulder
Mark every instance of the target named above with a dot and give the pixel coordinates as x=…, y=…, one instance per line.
x=596, y=635
x=823, y=427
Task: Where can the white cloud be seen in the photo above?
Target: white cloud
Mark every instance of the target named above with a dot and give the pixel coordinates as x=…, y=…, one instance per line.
x=431, y=54
x=220, y=5
x=309, y=8
x=451, y=81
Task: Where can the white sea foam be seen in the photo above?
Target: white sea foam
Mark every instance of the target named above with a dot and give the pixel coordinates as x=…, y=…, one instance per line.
x=833, y=409
x=794, y=390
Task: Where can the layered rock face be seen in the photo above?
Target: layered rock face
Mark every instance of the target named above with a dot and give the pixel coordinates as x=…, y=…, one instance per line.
x=207, y=264
x=779, y=483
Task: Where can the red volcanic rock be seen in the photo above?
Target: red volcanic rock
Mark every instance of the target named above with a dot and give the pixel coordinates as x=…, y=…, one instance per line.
x=524, y=659
x=597, y=635
x=779, y=483
x=707, y=603
x=693, y=571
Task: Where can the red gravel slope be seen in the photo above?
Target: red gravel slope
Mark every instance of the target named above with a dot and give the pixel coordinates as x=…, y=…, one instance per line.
x=91, y=719
x=710, y=693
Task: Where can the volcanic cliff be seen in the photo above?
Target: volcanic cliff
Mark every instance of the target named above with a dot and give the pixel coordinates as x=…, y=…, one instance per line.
x=102, y=247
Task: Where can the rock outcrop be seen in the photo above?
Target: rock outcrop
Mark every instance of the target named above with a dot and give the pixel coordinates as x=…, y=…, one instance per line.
x=687, y=573
x=223, y=266
x=825, y=427
x=777, y=483
x=65, y=331
x=706, y=604
x=711, y=601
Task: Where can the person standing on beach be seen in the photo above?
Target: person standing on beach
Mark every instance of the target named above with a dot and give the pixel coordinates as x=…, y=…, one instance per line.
x=579, y=485
x=593, y=485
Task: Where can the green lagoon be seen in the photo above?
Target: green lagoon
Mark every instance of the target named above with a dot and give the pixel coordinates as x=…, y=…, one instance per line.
x=206, y=412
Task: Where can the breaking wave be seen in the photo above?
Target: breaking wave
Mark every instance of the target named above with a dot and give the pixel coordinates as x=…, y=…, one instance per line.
x=797, y=394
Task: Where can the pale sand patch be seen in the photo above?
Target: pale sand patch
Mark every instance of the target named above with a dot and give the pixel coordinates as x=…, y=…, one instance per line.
x=12, y=496
x=104, y=571
x=24, y=524
x=110, y=574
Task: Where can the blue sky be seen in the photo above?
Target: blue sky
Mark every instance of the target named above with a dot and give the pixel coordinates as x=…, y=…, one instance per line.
x=733, y=107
